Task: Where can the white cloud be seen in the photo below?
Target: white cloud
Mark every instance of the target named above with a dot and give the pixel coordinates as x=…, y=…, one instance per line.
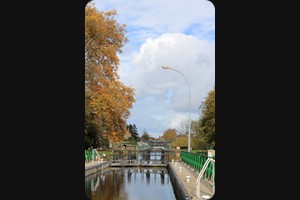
x=191, y=56
x=176, y=33
x=176, y=120
x=168, y=89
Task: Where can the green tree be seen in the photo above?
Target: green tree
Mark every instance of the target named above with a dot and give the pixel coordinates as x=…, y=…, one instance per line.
x=133, y=130
x=207, y=120
x=145, y=136
x=199, y=140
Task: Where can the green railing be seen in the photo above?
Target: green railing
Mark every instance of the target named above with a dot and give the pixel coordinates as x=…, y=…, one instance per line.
x=196, y=161
x=89, y=155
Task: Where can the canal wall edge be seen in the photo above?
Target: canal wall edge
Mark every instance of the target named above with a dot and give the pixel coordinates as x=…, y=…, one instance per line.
x=179, y=189
x=96, y=167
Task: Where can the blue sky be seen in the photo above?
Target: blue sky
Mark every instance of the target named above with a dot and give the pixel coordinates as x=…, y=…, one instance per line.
x=177, y=33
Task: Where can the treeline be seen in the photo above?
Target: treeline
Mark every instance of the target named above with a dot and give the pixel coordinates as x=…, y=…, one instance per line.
x=202, y=130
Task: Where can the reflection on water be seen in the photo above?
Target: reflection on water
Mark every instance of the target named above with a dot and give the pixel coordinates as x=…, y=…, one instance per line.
x=130, y=184
x=144, y=155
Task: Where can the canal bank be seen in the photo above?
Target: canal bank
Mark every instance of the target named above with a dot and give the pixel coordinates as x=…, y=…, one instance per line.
x=93, y=167
x=179, y=189
x=185, y=188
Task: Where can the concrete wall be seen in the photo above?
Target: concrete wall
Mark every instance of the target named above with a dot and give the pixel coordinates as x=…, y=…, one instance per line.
x=179, y=190
x=94, y=168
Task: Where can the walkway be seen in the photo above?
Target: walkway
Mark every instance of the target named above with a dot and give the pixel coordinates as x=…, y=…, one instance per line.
x=205, y=187
x=93, y=164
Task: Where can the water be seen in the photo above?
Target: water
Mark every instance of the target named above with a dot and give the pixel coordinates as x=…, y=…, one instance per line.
x=139, y=183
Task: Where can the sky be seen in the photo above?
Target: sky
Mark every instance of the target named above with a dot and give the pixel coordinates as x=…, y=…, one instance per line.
x=176, y=33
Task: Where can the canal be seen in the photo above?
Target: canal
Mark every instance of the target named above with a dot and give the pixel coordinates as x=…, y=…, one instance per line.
x=139, y=183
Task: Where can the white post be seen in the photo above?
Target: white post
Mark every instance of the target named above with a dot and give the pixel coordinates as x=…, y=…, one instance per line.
x=188, y=179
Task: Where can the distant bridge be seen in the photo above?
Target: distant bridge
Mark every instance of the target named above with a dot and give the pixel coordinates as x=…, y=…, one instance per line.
x=152, y=156
x=154, y=144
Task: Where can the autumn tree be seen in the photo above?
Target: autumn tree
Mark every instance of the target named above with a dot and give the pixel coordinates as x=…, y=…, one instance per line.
x=104, y=38
x=110, y=107
x=182, y=140
x=169, y=135
x=107, y=99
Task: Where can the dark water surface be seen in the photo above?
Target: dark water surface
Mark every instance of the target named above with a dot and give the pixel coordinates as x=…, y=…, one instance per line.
x=139, y=183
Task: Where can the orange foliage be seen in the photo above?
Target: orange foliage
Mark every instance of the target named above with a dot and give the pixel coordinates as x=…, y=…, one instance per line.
x=107, y=99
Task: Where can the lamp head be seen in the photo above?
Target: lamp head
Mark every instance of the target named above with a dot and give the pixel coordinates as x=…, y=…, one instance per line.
x=165, y=67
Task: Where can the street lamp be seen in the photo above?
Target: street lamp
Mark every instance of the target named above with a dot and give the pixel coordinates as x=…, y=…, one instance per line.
x=189, y=136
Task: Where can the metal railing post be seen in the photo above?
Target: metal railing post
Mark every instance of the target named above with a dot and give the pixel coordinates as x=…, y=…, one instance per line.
x=201, y=174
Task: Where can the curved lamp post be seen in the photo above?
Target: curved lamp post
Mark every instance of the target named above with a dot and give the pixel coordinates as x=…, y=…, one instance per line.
x=189, y=136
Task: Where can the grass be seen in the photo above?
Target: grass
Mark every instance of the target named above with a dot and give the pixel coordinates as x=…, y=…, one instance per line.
x=108, y=154
x=198, y=151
